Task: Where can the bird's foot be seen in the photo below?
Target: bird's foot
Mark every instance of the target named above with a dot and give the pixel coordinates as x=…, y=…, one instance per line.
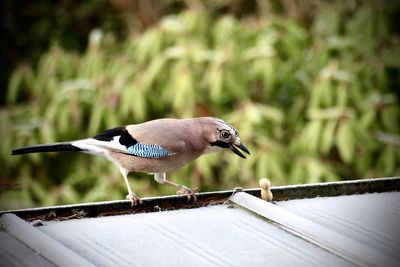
x=135, y=200
x=191, y=193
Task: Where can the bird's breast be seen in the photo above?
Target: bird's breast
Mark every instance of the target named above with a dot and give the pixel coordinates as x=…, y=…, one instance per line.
x=152, y=165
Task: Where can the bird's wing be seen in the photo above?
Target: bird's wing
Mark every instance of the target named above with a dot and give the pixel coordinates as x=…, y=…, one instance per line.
x=120, y=140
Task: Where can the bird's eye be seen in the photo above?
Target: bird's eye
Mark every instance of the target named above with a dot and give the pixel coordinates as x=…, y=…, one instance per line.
x=225, y=134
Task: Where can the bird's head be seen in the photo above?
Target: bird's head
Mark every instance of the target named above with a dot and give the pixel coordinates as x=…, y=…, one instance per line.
x=223, y=135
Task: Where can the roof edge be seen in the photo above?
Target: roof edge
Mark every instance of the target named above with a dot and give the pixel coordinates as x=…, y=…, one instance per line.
x=162, y=203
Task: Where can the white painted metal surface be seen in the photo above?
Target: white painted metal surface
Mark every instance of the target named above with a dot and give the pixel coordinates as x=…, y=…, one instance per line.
x=41, y=243
x=209, y=236
x=360, y=229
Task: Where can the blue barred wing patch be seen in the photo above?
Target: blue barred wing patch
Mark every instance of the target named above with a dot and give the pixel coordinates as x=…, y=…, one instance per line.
x=149, y=151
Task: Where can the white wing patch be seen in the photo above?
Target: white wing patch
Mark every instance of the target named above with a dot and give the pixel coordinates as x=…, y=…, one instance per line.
x=97, y=147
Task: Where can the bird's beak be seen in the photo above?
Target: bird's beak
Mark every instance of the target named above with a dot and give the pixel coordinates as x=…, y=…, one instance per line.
x=234, y=149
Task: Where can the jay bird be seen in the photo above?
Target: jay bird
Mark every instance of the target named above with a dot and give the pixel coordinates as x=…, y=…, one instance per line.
x=154, y=147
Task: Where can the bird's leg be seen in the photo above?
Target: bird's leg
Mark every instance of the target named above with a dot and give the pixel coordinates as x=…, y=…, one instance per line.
x=131, y=195
x=161, y=178
x=183, y=190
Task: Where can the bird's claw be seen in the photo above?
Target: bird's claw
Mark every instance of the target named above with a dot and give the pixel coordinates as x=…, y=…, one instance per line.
x=135, y=200
x=191, y=193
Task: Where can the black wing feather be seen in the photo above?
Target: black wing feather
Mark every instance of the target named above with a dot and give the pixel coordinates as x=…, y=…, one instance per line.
x=126, y=139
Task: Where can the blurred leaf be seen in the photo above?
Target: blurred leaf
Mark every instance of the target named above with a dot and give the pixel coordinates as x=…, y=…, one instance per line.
x=312, y=134
x=345, y=141
x=389, y=116
x=328, y=136
x=14, y=87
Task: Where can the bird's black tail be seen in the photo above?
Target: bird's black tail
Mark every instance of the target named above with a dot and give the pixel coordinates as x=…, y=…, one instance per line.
x=46, y=148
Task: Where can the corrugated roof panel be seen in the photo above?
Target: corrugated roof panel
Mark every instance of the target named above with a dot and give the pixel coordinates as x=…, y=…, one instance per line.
x=15, y=253
x=209, y=236
x=371, y=219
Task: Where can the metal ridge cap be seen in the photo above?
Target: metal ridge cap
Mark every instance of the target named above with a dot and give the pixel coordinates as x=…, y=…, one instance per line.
x=40, y=243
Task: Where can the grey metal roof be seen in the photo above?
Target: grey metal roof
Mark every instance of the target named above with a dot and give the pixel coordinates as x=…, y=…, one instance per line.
x=372, y=219
x=15, y=253
x=359, y=229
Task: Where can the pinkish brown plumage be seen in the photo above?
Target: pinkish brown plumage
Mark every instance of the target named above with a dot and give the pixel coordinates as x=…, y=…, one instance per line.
x=155, y=147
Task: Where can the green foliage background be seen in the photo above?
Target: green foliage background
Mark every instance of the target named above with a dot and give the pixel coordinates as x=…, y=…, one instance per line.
x=313, y=90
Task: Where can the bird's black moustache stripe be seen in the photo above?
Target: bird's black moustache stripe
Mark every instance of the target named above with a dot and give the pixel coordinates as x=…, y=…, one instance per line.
x=220, y=144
